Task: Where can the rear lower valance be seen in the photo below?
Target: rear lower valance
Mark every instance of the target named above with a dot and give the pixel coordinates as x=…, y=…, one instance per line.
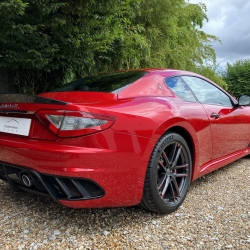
x=57, y=187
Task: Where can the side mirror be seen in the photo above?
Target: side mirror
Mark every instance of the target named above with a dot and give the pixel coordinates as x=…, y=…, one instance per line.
x=244, y=100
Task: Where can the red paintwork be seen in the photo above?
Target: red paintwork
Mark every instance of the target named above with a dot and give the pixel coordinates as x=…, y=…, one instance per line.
x=81, y=97
x=117, y=157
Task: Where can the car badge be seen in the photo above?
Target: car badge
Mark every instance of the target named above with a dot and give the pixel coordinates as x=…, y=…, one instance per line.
x=9, y=106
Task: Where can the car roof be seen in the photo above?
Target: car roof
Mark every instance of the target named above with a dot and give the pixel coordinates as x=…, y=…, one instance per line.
x=169, y=71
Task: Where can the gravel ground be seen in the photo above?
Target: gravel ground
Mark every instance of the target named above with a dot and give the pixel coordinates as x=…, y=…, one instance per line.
x=215, y=215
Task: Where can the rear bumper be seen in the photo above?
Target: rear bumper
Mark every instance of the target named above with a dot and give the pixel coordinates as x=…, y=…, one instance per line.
x=116, y=175
x=57, y=187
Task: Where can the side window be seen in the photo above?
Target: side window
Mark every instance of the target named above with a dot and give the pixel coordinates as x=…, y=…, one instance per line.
x=180, y=88
x=206, y=92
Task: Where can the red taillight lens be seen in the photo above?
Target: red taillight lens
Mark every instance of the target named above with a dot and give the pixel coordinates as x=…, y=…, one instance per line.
x=74, y=123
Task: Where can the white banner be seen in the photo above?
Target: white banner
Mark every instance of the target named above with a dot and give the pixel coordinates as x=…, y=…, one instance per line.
x=13, y=125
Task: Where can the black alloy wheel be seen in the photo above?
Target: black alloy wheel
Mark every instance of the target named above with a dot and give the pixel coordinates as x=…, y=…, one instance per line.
x=168, y=175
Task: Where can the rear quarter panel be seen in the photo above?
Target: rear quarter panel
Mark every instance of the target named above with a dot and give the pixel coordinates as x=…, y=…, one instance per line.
x=151, y=117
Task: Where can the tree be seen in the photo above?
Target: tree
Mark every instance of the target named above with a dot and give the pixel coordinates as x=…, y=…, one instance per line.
x=237, y=76
x=161, y=33
x=210, y=71
x=44, y=42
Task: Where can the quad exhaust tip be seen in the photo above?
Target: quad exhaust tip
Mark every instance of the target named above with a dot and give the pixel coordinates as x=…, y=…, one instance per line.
x=27, y=179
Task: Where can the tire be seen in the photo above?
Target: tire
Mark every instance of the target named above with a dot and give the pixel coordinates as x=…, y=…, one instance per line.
x=168, y=175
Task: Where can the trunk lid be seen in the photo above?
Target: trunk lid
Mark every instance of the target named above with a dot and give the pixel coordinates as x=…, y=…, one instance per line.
x=18, y=116
x=54, y=114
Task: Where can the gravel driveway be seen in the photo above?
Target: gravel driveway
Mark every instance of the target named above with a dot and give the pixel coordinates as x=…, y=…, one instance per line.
x=215, y=215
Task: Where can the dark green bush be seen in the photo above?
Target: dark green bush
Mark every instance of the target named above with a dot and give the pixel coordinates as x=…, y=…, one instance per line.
x=237, y=77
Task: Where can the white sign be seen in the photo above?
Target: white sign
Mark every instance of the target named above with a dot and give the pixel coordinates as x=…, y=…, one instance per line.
x=14, y=125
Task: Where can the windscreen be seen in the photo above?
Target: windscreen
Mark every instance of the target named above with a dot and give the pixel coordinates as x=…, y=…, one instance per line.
x=110, y=82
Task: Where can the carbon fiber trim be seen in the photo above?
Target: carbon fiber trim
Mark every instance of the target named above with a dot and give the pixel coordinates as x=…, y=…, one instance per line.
x=20, y=98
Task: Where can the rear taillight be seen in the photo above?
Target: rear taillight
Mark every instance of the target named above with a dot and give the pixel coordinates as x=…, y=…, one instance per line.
x=74, y=123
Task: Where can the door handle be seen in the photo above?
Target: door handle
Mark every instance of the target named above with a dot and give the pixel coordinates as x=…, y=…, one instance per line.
x=214, y=115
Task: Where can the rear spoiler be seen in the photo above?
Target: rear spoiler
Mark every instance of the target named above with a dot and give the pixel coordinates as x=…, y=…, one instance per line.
x=11, y=100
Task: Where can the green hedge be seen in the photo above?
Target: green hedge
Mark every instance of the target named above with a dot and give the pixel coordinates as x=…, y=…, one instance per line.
x=237, y=77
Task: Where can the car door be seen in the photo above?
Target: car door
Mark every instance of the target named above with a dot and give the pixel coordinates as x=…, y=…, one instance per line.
x=229, y=124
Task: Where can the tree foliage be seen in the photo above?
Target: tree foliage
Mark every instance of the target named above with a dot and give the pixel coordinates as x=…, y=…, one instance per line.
x=210, y=72
x=48, y=41
x=237, y=76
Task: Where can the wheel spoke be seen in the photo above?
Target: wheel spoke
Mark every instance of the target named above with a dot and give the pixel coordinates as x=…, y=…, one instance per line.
x=161, y=164
x=176, y=186
x=165, y=187
x=164, y=178
x=176, y=157
x=172, y=153
x=166, y=158
x=179, y=167
x=174, y=198
x=181, y=175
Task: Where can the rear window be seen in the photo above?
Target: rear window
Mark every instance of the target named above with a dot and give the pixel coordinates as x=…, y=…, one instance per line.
x=110, y=82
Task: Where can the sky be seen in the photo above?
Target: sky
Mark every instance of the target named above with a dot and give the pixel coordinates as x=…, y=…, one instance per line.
x=229, y=20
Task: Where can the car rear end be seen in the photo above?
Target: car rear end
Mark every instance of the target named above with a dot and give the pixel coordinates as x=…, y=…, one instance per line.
x=69, y=151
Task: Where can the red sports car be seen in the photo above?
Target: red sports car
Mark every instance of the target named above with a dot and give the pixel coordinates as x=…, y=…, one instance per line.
x=121, y=138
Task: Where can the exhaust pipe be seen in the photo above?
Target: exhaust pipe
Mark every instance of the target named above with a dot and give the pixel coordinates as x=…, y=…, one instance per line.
x=27, y=179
